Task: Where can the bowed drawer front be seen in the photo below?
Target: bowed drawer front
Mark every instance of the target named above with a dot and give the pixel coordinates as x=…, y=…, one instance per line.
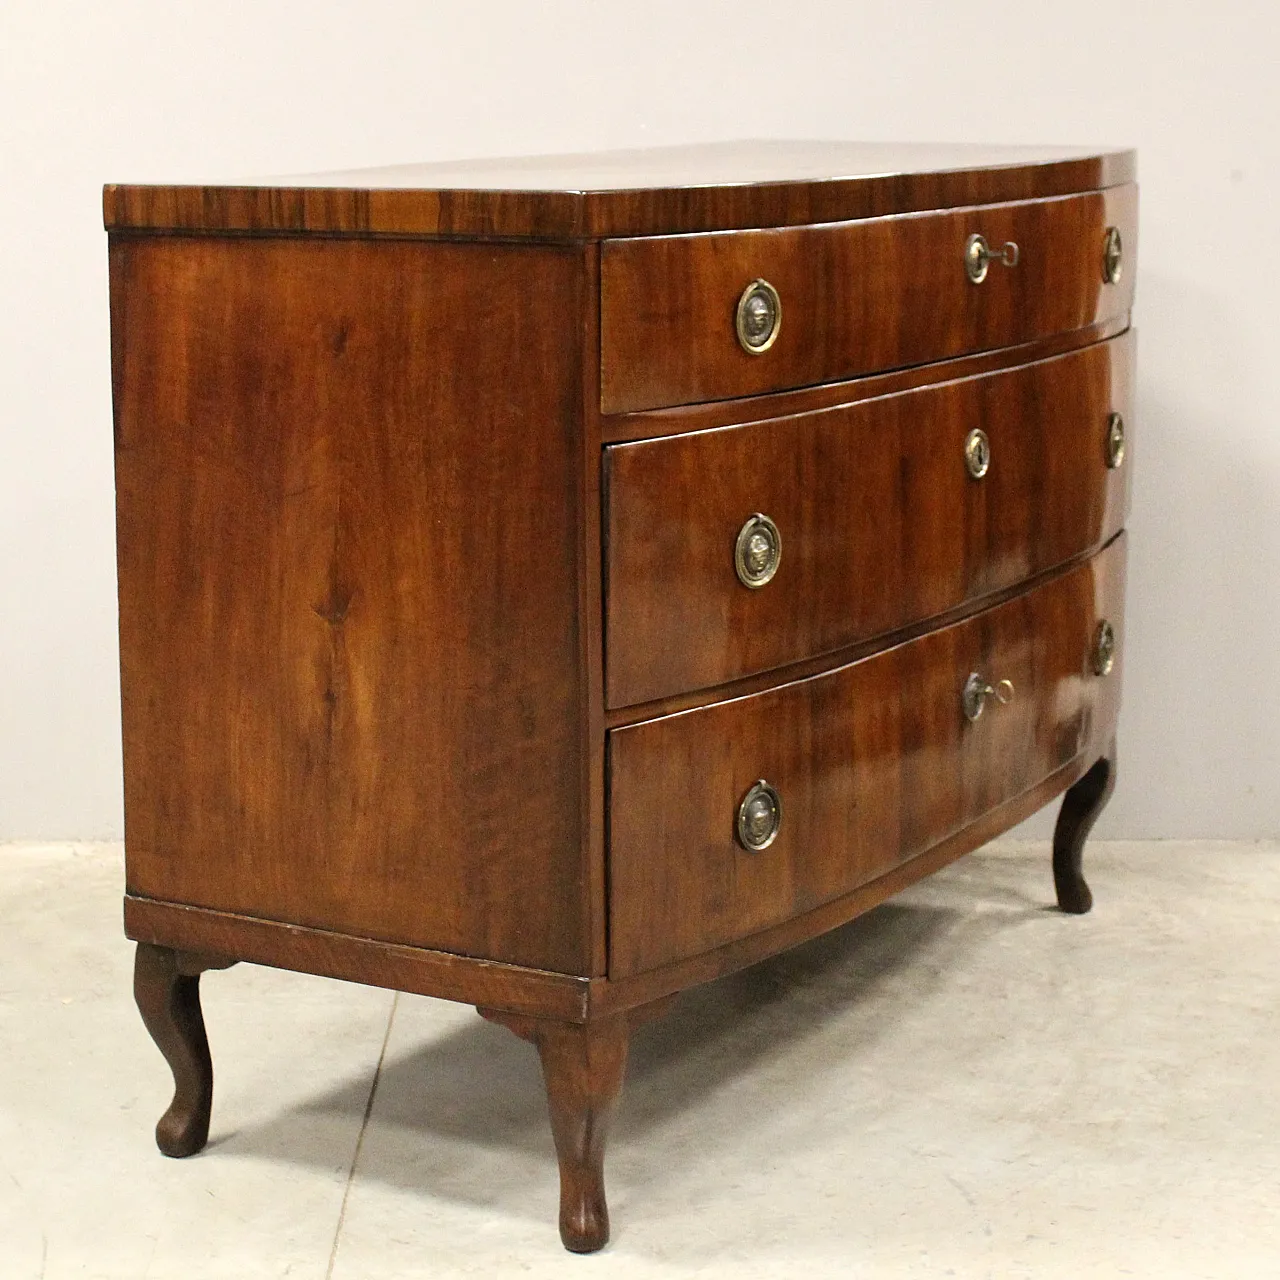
x=855, y=297
x=875, y=515
x=871, y=764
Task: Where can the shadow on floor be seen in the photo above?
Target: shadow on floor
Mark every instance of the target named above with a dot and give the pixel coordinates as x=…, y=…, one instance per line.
x=478, y=1087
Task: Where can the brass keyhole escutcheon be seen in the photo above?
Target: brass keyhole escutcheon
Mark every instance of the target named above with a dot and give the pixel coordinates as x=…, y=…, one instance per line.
x=1104, y=648
x=1115, y=440
x=977, y=453
x=759, y=817
x=973, y=700
x=759, y=317
x=757, y=551
x=978, y=256
x=1112, y=256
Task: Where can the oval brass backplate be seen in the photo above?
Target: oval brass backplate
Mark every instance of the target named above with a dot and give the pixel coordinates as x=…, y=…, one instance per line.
x=757, y=551
x=759, y=317
x=1112, y=256
x=1104, y=648
x=1115, y=440
x=759, y=817
x=977, y=453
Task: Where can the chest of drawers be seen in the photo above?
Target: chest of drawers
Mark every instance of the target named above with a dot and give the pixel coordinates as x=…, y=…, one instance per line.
x=551, y=584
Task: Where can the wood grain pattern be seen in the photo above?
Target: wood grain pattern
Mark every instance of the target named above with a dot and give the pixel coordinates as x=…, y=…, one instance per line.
x=533, y=993
x=675, y=420
x=874, y=762
x=648, y=191
x=608, y=996
x=378, y=964
x=620, y=717
x=351, y=541
x=591, y=612
x=881, y=523
x=583, y=1067
x=856, y=297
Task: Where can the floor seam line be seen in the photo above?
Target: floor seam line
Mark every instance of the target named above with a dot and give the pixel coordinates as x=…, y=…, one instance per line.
x=364, y=1125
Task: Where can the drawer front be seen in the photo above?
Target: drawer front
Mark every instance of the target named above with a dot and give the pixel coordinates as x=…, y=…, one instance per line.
x=854, y=297
x=872, y=763
x=879, y=522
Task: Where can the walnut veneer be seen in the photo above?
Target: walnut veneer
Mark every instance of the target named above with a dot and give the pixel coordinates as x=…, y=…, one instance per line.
x=499, y=623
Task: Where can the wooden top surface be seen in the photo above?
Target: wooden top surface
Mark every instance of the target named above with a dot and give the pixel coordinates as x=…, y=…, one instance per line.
x=654, y=191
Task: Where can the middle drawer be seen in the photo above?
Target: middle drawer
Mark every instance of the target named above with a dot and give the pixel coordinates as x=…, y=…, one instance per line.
x=879, y=514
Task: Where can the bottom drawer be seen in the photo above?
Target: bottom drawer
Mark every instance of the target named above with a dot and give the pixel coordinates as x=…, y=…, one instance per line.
x=867, y=766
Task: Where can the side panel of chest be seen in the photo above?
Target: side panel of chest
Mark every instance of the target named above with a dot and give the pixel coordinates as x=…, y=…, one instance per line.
x=350, y=493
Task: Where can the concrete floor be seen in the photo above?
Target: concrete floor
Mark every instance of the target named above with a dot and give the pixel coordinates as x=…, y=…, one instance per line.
x=962, y=1083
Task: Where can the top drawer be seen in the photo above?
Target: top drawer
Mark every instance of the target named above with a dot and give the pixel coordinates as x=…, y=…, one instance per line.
x=855, y=297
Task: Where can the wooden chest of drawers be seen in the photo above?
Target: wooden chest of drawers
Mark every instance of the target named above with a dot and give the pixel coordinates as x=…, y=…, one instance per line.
x=555, y=583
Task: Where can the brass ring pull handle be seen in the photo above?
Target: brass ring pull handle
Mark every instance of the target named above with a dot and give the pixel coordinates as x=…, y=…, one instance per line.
x=978, y=255
x=977, y=691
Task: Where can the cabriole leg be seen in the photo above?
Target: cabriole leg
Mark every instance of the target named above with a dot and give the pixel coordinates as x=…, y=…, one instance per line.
x=1081, y=806
x=166, y=986
x=583, y=1065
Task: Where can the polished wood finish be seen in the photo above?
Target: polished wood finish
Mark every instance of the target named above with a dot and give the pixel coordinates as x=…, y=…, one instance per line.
x=557, y=996
x=881, y=523
x=619, y=717
x=620, y=428
x=610, y=995
x=583, y=1066
x=379, y=964
x=352, y=656
x=591, y=613
x=1080, y=809
x=373, y=725
x=649, y=191
x=667, y=303
x=166, y=987
x=874, y=762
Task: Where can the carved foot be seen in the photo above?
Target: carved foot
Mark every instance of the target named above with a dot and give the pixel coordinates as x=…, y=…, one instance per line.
x=583, y=1065
x=166, y=985
x=1080, y=808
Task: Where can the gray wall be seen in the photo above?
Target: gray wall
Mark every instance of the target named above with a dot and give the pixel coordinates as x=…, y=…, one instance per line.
x=144, y=90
